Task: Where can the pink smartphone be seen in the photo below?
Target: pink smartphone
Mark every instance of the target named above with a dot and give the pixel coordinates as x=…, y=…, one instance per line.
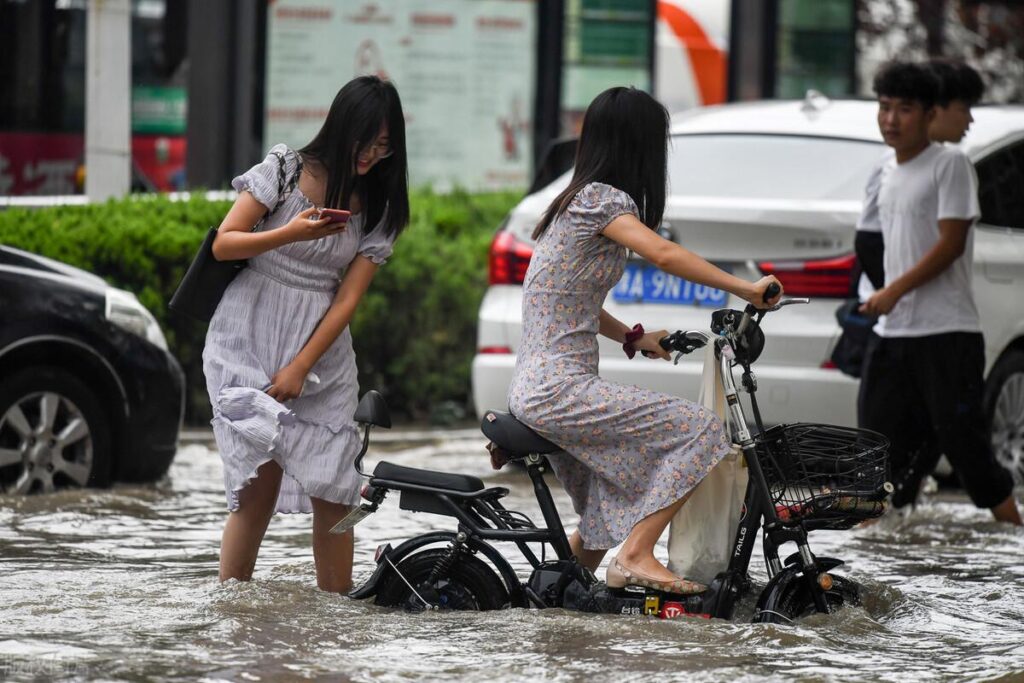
x=336, y=215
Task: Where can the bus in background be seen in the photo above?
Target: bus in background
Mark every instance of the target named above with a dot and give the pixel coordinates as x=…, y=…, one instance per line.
x=691, y=53
x=42, y=96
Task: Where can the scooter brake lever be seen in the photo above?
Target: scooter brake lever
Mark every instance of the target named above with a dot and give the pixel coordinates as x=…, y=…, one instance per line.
x=787, y=302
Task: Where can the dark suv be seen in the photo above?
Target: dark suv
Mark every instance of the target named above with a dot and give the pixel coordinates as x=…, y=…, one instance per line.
x=89, y=393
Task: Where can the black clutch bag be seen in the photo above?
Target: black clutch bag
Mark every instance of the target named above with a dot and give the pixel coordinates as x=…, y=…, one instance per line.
x=204, y=283
x=848, y=354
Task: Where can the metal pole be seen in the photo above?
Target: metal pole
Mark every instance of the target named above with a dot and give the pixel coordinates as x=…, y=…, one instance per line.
x=211, y=97
x=652, y=45
x=245, y=148
x=548, y=107
x=108, y=85
x=753, y=27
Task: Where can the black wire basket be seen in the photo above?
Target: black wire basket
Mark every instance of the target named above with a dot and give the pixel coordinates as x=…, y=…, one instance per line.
x=823, y=475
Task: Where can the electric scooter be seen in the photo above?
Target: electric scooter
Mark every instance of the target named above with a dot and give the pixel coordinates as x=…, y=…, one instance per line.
x=802, y=478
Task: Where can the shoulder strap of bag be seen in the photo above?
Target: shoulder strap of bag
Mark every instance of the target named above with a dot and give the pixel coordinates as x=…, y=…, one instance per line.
x=286, y=185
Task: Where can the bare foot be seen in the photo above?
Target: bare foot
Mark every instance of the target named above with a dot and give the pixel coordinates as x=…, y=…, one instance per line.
x=1007, y=511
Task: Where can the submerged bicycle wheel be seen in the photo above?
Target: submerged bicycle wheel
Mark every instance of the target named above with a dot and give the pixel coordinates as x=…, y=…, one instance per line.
x=795, y=601
x=468, y=584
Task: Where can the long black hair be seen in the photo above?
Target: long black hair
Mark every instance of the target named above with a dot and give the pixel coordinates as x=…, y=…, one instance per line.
x=622, y=144
x=353, y=123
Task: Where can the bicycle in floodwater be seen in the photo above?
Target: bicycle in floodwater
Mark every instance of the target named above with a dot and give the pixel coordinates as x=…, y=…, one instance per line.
x=803, y=477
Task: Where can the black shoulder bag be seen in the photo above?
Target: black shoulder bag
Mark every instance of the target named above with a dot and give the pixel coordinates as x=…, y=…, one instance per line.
x=850, y=349
x=203, y=285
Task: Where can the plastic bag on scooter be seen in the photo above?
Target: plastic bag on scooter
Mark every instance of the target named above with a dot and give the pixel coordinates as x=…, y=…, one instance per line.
x=701, y=534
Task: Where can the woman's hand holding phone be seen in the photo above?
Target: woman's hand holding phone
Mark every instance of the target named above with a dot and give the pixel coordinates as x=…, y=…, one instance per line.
x=311, y=225
x=337, y=217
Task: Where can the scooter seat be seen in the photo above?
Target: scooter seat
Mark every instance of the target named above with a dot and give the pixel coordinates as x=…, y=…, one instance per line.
x=431, y=478
x=513, y=436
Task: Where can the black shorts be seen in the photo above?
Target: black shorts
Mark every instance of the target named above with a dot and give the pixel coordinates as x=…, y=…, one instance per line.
x=925, y=395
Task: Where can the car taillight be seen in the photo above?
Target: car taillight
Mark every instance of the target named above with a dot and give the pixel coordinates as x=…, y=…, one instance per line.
x=509, y=259
x=828, y=278
x=494, y=349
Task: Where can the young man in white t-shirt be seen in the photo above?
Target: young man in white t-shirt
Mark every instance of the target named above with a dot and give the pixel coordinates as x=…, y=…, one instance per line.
x=960, y=88
x=922, y=379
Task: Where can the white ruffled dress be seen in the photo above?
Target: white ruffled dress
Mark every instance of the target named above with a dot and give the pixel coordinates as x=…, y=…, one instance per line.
x=265, y=318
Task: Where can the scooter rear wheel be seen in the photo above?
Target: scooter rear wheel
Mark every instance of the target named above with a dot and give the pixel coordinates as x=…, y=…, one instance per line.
x=468, y=584
x=796, y=602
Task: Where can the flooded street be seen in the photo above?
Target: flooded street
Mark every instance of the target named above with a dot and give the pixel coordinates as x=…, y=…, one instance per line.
x=122, y=585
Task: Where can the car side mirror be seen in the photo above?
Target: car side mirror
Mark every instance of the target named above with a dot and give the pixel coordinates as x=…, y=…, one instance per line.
x=373, y=410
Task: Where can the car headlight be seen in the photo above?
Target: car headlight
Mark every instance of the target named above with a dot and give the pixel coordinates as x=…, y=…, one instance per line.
x=125, y=311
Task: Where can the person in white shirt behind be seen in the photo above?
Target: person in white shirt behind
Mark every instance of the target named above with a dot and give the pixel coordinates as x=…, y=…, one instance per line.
x=960, y=88
x=922, y=378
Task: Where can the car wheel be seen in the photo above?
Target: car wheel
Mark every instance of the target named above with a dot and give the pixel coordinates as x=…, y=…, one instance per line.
x=53, y=433
x=1004, y=405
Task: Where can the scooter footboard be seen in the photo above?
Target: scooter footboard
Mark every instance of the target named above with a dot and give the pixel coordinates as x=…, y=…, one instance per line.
x=633, y=601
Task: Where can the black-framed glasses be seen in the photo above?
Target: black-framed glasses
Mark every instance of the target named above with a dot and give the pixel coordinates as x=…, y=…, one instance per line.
x=379, y=150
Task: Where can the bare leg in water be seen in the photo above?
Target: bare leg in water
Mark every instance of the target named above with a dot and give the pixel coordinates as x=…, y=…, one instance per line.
x=246, y=526
x=331, y=552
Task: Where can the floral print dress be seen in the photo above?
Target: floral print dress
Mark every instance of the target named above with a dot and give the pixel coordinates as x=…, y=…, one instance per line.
x=629, y=452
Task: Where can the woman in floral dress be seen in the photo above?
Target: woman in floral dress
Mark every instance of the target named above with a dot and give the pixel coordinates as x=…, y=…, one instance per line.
x=631, y=455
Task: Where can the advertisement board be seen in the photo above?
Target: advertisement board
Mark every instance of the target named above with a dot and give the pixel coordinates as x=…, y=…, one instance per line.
x=465, y=70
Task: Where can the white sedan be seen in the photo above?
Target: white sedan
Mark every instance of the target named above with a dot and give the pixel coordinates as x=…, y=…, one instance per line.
x=776, y=188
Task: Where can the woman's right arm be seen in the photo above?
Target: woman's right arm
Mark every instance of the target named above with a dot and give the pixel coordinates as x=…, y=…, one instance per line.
x=235, y=239
x=668, y=256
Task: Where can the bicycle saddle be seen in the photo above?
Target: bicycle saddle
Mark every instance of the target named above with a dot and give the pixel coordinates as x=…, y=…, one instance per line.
x=513, y=436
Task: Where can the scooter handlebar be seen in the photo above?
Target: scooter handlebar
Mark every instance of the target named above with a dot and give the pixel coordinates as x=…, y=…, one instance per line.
x=770, y=292
x=683, y=342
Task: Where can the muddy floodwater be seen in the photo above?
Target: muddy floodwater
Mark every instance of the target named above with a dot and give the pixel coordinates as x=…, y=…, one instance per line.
x=121, y=585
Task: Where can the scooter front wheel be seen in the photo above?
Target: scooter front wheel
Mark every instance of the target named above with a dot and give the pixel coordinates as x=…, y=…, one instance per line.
x=467, y=584
x=793, y=600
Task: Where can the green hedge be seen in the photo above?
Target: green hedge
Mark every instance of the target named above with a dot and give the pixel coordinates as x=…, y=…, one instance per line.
x=414, y=331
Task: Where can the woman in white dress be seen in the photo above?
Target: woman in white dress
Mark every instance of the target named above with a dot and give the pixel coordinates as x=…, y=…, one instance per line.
x=278, y=359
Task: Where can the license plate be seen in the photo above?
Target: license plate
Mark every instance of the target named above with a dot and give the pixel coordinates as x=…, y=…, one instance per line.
x=352, y=518
x=642, y=283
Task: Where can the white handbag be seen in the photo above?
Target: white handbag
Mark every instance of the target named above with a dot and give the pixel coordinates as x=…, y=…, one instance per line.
x=701, y=534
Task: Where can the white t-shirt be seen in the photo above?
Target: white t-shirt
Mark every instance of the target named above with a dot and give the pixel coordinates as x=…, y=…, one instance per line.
x=869, y=220
x=913, y=197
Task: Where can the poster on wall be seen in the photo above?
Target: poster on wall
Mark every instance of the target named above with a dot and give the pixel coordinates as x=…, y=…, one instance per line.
x=465, y=70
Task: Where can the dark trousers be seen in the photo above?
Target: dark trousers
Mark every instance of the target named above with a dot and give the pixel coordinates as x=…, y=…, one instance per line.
x=925, y=395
